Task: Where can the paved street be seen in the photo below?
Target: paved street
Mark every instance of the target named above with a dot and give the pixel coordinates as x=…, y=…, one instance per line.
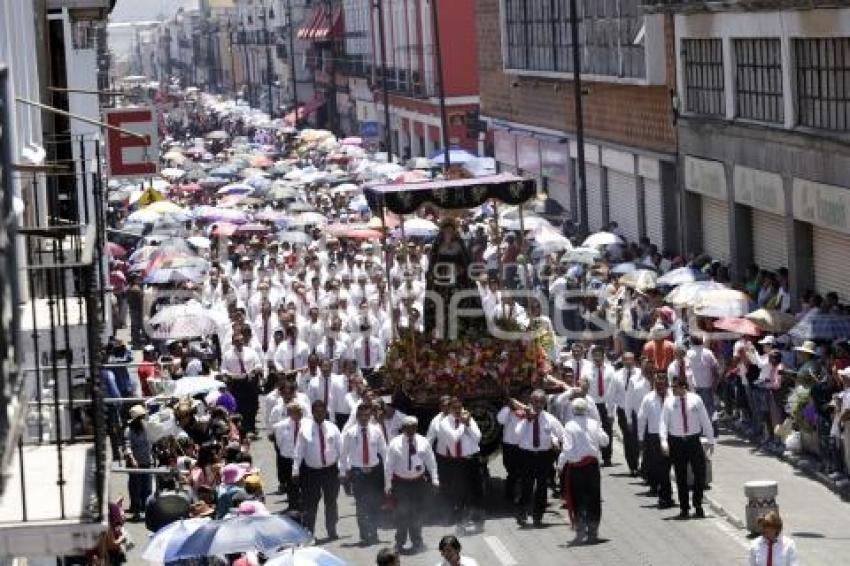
x=632, y=529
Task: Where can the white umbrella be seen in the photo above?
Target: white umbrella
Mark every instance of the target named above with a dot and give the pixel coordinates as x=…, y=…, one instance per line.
x=687, y=294
x=186, y=321
x=307, y=556
x=640, y=279
x=680, y=276
x=344, y=189
x=588, y=256
x=722, y=303
x=601, y=239
x=310, y=219
x=195, y=385
x=548, y=240
x=172, y=173
x=420, y=228
x=529, y=222
x=144, y=216
x=199, y=242
x=169, y=538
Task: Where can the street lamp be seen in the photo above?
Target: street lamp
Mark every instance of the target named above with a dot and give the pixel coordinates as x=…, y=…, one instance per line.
x=435, y=24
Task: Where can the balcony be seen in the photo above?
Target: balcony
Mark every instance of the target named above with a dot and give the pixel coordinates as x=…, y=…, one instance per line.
x=84, y=9
x=687, y=6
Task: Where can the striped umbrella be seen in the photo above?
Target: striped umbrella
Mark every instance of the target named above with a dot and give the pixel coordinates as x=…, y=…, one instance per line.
x=822, y=327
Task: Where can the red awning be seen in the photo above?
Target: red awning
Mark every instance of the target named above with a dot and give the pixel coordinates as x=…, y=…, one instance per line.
x=305, y=110
x=323, y=24
x=309, y=24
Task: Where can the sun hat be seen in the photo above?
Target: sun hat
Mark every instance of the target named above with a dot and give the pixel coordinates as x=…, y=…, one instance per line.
x=809, y=347
x=138, y=411
x=232, y=474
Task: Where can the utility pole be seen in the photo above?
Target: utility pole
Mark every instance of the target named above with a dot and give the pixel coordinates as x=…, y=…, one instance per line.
x=269, y=66
x=292, y=72
x=441, y=91
x=582, y=176
x=388, y=141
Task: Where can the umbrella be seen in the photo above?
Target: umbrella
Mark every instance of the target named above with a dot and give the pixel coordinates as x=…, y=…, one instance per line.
x=214, y=214
x=420, y=163
x=722, y=303
x=822, y=326
x=345, y=188
x=640, y=279
x=391, y=220
x=300, y=206
x=197, y=384
x=199, y=242
x=687, y=294
x=310, y=219
x=587, y=256
x=224, y=229
x=358, y=204
x=115, y=250
x=186, y=321
x=235, y=189
x=627, y=267
x=173, y=275
x=295, y=237
x=307, y=556
x=166, y=207
x=420, y=228
x=360, y=234
x=269, y=215
x=680, y=276
x=529, y=222
x=217, y=135
x=772, y=321
x=165, y=541
x=456, y=156
x=548, y=240
x=174, y=156
x=189, y=188
x=601, y=239
x=226, y=171
x=251, y=533
x=738, y=326
x=352, y=141
x=212, y=182
x=172, y=173
x=144, y=216
x=252, y=229
x=261, y=161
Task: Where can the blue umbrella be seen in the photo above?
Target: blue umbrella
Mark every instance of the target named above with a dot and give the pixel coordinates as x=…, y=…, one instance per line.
x=457, y=156
x=226, y=171
x=251, y=533
x=162, y=544
x=174, y=275
x=822, y=327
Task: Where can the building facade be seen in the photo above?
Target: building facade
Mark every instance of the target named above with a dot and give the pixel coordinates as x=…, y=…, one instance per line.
x=527, y=100
x=765, y=114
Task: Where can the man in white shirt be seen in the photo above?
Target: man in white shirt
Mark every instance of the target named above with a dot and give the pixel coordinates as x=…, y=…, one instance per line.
x=243, y=367
x=409, y=465
x=683, y=420
x=656, y=462
x=292, y=353
x=285, y=433
x=600, y=374
x=459, y=437
x=510, y=416
x=450, y=551
x=705, y=372
x=388, y=417
x=629, y=389
x=363, y=451
x=333, y=344
x=321, y=387
x=679, y=368
x=316, y=467
x=367, y=351
x=539, y=436
x=582, y=442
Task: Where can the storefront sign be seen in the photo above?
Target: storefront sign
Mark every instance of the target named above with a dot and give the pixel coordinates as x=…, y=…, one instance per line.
x=759, y=189
x=132, y=156
x=504, y=147
x=528, y=154
x=827, y=206
x=554, y=159
x=705, y=177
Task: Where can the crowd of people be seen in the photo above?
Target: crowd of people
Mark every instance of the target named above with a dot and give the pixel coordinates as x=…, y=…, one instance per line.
x=294, y=321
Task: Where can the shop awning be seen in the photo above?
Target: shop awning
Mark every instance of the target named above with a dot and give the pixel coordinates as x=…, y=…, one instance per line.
x=305, y=110
x=322, y=24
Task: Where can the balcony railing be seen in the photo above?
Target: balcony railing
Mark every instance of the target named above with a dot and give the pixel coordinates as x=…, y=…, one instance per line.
x=739, y=5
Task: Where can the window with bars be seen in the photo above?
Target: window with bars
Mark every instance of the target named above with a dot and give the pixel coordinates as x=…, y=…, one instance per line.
x=538, y=37
x=758, y=79
x=702, y=61
x=823, y=82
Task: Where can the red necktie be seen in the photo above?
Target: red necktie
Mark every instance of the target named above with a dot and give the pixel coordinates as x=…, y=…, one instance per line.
x=367, y=355
x=769, y=552
x=535, y=432
x=326, y=390
x=410, y=452
x=292, y=359
x=458, y=447
x=684, y=415
x=600, y=383
x=241, y=364
x=365, y=448
x=682, y=378
x=265, y=334
x=295, y=432
x=322, y=444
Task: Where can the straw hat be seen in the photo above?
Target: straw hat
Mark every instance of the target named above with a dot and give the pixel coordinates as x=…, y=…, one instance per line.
x=808, y=347
x=138, y=411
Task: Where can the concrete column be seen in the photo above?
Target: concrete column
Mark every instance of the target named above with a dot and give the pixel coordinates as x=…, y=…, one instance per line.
x=673, y=211
x=741, y=240
x=692, y=222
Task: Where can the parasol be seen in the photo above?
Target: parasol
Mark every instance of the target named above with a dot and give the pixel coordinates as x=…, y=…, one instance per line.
x=772, y=321
x=251, y=533
x=722, y=303
x=738, y=326
x=640, y=279
x=600, y=239
x=680, y=276
x=822, y=326
x=687, y=294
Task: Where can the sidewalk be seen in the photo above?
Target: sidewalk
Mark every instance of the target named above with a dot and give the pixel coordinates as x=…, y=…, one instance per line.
x=813, y=515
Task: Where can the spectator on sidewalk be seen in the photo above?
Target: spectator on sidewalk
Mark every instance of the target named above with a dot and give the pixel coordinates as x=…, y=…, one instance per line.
x=450, y=551
x=773, y=548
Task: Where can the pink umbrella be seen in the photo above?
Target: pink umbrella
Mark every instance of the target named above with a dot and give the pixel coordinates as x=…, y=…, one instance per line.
x=738, y=326
x=224, y=229
x=354, y=140
x=252, y=229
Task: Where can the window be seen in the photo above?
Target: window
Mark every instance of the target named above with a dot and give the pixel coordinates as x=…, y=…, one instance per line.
x=758, y=79
x=823, y=82
x=537, y=36
x=702, y=60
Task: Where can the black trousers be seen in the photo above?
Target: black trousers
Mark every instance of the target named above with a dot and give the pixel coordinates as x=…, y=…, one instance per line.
x=512, y=460
x=685, y=450
x=658, y=467
x=462, y=488
x=609, y=430
x=536, y=472
x=316, y=484
x=284, y=480
x=246, y=392
x=586, y=491
x=409, y=498
x=630, y=439
x=340, y=420
x=368, y=488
